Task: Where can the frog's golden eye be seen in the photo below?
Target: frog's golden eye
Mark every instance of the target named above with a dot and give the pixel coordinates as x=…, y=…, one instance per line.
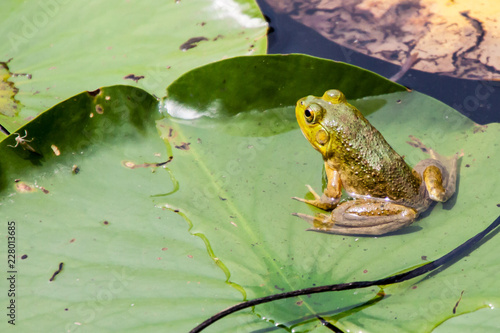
x=311, y=113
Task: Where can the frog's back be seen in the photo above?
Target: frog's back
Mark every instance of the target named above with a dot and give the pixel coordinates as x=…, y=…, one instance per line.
x=368, y=164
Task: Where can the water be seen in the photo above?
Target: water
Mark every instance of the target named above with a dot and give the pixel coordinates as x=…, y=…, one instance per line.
x=478, y=100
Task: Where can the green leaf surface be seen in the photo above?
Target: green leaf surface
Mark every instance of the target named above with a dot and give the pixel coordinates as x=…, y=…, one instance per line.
x=65, y=47
x=482, y=321
x=255, y=174
x=161, y=248
x=128, y=265
x=270, y=81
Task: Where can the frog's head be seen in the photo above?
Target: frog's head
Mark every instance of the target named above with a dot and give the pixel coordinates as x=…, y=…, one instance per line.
x=319, y=120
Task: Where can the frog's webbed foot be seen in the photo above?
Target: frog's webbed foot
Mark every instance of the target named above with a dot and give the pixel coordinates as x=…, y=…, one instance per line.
x=439, y=172
x=323, y=202
x=447, y=161
x=415, y=142
x=362, y=217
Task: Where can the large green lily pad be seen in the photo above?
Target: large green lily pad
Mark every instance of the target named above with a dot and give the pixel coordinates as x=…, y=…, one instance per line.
x=257, y=174
x=161, y=248
x=128, y=265
x=60, y=48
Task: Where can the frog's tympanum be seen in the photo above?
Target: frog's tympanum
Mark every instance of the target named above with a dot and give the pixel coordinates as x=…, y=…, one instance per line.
x=386, y=193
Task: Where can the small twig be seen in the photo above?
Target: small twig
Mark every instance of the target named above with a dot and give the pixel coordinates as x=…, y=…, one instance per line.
x=57, y=272
x=456, y=305
x=4, y=130
x=407, y=65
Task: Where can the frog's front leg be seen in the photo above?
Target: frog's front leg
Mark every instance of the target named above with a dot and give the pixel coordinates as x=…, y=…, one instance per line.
x=362, y=217
x=331, y=195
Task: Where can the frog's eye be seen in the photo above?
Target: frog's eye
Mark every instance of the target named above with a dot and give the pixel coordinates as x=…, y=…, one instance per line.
x=311, y=112
x=309, y=115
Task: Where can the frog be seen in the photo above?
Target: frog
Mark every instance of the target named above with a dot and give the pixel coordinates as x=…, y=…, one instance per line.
x=384, y=194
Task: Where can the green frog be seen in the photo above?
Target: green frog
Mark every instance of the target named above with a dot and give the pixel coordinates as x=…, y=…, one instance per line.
x=385, y=193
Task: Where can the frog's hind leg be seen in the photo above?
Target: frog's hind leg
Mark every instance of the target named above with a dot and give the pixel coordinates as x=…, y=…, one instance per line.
x=362, y=217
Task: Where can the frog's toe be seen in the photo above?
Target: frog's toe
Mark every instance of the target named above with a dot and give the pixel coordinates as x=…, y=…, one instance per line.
x=319, y=222
x=417, y=143
x=317, y=198
x=300, y=199
x=303, y=216
x=313, y=192
x=323, y=202
x=310, y=202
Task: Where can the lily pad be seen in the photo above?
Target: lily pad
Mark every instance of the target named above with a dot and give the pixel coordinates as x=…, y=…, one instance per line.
x=67, y=47
x=484, y=320
x=152, y=246
x=255, y=175
x=84, y=199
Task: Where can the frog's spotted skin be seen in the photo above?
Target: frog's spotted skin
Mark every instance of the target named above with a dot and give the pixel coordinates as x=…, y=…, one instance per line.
x=387, y=193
